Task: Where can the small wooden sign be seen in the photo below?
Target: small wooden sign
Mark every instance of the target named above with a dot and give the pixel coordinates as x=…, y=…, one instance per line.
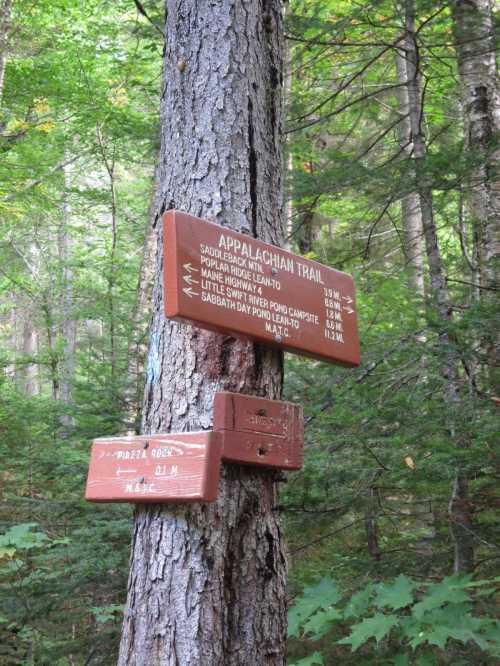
x=180, y=467
x=185, y=467
x=231, y=283
x=256, y=431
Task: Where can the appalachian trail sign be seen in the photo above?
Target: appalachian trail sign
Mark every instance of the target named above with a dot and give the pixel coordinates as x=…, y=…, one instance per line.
x=228, y=282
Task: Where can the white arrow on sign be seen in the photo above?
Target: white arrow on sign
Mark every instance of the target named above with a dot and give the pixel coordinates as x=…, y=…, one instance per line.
x=189, y=279
x=349, y=310
x=189, y=268
x=348, y=299
x=189, y=292
x=125, y=471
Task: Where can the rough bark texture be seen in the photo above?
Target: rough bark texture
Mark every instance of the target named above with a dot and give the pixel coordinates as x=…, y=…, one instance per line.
x=475, y=46
x=305, y=231
x=207, y=583
x=459, y=508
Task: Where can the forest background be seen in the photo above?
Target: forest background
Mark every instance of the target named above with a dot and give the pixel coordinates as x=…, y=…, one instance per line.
x=393, y=118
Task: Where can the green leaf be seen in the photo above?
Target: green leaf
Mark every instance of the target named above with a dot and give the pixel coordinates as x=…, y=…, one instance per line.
x=22, y=537
x=376, y=627
x=450, y=590
x=454, y=621
x=322, y=595
x=359, y=602
x=319, y=623
x=397, y=594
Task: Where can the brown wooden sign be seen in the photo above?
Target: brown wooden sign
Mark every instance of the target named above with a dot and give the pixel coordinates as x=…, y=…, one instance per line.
x=229, y=282
x=155, y=468
x=185, y=467
x=256, y=431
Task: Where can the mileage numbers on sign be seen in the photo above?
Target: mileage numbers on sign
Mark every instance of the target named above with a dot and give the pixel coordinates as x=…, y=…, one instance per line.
x=229, y=282
x=181, y=467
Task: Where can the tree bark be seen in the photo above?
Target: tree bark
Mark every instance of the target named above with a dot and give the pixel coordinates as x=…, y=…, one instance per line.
x=5, y=19
x=371, y=525
x=207, y=582
x=459, y=508
x=305, y=230
x=68, y=323
x=410, y=204
x=28, y=374
x=137, y=348
x=475, y=47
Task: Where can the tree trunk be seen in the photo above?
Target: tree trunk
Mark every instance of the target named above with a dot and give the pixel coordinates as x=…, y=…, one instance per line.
x=53, y=356
x=475, y=46
x=305, y=230
x=5, y=18
x=108, y=156
x=207, y=582
x=137, y=348
x=410, y=203
x=28, y=374
x=68, y=323
x=459, y=507
x=371, y=525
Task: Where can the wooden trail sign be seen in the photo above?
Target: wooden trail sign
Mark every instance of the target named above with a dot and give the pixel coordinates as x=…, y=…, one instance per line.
x=257, y=431
x=185, y=467
x=231, y=283
x=182, y=467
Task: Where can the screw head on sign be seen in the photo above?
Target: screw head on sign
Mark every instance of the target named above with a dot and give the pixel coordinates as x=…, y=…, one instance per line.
x=261, y=412
x=142, y=479
x=274, y=271
x=146, y=444
x=278, y=338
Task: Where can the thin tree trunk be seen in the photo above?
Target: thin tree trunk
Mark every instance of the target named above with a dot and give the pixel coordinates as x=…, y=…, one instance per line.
x=459, y=507
x=5, y=19
x=28, y=373
x=111, y=286
x=138, y=345
x=109, y=162
x=305, y=230
x=13, y=325
x=410, y=203
x=475, y=46
x=207, y=582
x=48, y=319
x=371, y=525
x=68, y=323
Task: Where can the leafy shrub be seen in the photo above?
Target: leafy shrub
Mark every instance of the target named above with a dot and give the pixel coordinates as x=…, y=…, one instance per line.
x=406, y=620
